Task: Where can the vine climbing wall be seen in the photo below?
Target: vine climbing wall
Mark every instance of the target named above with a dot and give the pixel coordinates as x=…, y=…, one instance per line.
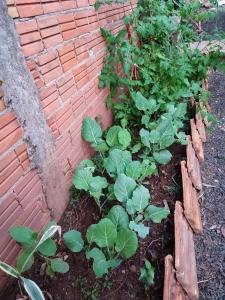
x=50, y=60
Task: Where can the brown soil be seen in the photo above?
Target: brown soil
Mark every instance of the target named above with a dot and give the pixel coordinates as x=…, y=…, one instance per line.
x=123, y=283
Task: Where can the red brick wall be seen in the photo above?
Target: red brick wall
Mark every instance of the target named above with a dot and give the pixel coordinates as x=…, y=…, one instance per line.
x=22, y=199
x=64, y=50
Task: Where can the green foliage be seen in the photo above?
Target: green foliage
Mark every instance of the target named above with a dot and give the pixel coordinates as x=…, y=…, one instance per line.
x=119, y=217
x=117, y=161
x=149, y=99
x=32, y=289
x=156, y=214
x=73, y=240
x=147, y=274
x=124, y=187
x=44, y=247
x=114, y=238
x=85, y=180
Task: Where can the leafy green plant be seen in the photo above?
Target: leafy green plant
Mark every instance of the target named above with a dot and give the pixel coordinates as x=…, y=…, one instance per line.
x=113, y=238
x=147, y=274
x=159, y=73
x=85, y=180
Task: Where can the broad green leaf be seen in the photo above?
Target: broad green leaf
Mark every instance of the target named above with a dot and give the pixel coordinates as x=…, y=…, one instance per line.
x=90, y=233
x=91, y=130
x=147, y=274
x=145, y=120
x=140, y=101
x=148, y=169
x=9, y=270
x=136, y=148
x=126, y=243
x=22, y=234
x=104, y=233
x=119, y=217
x=112, y=136
x=134, y=169
x=166, y=131
x=100, y=265
x=59, y=265
x=144, y=104
x=124, y=187
x=154, y=136
x=48, y=248
x=73, y=240
x=162, y=157
x=114, y=263
x=101, y=146
x=82, y=179
x=124, y=138
x=117, y=161
x=32, y=289
x=87, y=163
x=22, y=258
x=156, y=214
x=139, y=201
x=98, y=183
x=140, y=228
x=145, y=137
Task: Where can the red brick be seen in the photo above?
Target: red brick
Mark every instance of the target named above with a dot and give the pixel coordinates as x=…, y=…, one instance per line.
x=20, y=149
x=68, y=4
x=70, y=34
x=5, y=203
x=47, y=21
x=50, y=108
x=53, y=74
x=30, y=37
x=67, y=57
x=50, y=31
x=12, y=175
x=81, y=22
x=68, y=26
x=30, y=10
x=45, y=58
x=49, y=66
x=51, y=7
x=66, y=49
x=10, y=140
x=27, y=26
x=64, y=18
x=25, y=184
x=53, y=41
x=26, y=1
x=6, y=119
x=69, y=64
x=33, y=48
x=82, y=3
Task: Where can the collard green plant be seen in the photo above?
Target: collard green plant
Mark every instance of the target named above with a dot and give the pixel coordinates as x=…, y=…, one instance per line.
x=85, y=180
x=113, y=239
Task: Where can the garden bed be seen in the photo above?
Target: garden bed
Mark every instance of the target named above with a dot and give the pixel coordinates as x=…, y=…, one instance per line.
x=123, y=282
x=132, y=235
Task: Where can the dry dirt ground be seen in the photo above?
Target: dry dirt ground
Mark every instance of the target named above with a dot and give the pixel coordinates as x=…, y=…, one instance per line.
x=210, y=247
